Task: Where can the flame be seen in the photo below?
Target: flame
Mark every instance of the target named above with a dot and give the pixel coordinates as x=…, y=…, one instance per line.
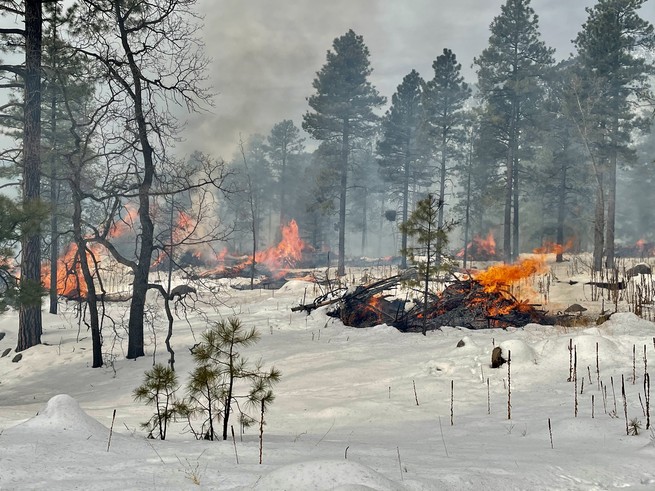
x=481, y=247
x=124, y=224
x=286, y=254
x=70, y=279
x=500, y=275
x=554, y=248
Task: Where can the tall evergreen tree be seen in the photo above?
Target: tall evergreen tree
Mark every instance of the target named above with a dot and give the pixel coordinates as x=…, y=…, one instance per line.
x=283, y=145
x=401, y=149
x=444, y=99
x=29, y=79
x=611, y=48
x=509, y=70
x=342, y=110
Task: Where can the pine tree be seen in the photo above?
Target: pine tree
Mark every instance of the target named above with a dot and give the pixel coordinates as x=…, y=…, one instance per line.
x=444, y=99
x=343, y=111
x=611, y=48
x=509, y=72
x=220, y=367
x=430, y=242
x=158, y=390
x=283, y=146
x=401, y=149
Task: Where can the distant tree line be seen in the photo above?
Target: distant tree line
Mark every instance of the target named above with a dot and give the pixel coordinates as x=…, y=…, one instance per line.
x=534, y=150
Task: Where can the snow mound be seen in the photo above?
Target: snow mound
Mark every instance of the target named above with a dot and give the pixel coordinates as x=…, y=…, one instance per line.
x=326, y=475
x=520, y=350
x=62, y=414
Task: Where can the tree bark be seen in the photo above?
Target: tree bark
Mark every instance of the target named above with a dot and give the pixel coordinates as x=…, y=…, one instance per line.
x=403, y=236
x=345, y=152
x=611, y=194
x=599, y=225
x=91, y=295
x=142, y=269
x=516, y=223
x=561, y=209
x=29, y=317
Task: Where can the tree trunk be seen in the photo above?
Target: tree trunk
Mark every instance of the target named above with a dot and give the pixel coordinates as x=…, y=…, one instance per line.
x=611, y=195
x=599, y=225
x=507, y=224
x=516, y=222
x=142, y=269
x=403, y=233
x=364, y=220
x=54, y=183
x=29, y=317
x=345, y=151
x=467, y=216
x=561, y=209
x=442, y=192
x=91, y=295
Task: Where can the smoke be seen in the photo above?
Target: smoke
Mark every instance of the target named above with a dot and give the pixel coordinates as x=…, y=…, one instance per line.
x=266, y=52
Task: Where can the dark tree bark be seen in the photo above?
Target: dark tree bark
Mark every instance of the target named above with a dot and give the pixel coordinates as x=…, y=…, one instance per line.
x=343, y=190
x=29, y=317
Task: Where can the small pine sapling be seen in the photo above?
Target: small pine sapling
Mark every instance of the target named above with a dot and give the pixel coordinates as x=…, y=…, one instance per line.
x=261, y=397
x=158, y=389
x=220, y=369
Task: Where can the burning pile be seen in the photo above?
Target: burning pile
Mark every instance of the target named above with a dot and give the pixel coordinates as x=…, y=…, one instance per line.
x=640, y=249
x=480, y=249
x=274, y=262
x=476, y=303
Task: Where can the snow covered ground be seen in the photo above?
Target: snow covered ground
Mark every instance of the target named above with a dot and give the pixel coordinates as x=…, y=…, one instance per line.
x=346, y=415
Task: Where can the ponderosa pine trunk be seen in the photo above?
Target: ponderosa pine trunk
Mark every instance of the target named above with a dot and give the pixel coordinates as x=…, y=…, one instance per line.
x=599, y=225
x=345, y=151
x=403, y=236
x=29, y=318
x=561, y=209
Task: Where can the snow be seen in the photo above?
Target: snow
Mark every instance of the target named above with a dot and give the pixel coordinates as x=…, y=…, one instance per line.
x=345, y=415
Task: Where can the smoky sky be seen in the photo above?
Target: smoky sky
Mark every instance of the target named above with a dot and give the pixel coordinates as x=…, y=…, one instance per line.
x=265, y=53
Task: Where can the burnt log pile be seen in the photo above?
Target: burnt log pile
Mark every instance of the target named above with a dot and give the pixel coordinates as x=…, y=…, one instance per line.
x=466, y=303
x=463, y=303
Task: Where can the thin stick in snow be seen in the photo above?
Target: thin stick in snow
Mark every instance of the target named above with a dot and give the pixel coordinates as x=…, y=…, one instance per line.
x=550, y=432
x=509, y=384
x=488, y=398
x=597, y=369
x=234, y=442
x=634, y=364
x=575, y=381
x=452, y=402
x=592, y=406
x=647, y=397
x=415, y=396
x=625, y=405
x=111, y=429
x=443, y=440
x=570, y=379
x=400, y=465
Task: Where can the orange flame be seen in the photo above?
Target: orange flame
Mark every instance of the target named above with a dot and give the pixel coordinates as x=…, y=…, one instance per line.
x=495, y=277
x=481, y=247
x=554, y=248
x=70, y=280
x=287, y=253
